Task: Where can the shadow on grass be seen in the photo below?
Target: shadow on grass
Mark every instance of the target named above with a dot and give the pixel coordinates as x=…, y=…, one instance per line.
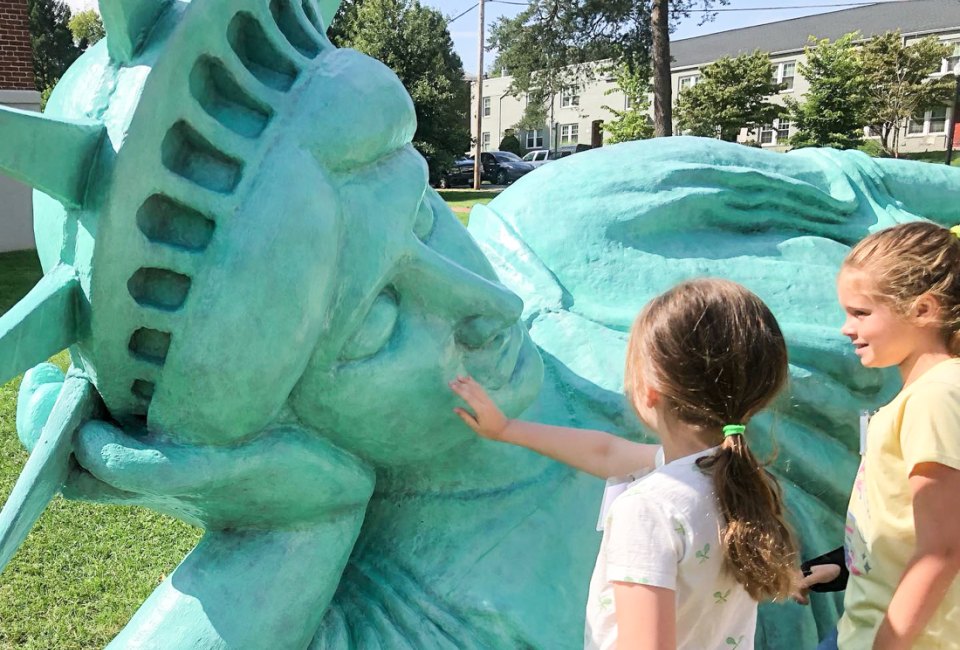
x=19, y=271
x=468, y=196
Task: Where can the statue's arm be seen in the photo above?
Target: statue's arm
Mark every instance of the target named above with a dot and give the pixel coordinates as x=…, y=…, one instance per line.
x=247, y=589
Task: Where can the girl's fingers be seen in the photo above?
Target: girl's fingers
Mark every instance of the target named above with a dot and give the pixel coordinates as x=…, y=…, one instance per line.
x=467, y=418
x=462, y=393
x=470, y=394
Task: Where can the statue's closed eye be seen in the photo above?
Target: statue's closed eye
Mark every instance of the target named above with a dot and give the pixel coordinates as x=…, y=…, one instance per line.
x=376, y=329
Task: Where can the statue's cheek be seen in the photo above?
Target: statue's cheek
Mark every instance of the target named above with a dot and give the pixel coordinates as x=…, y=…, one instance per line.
x=392, y=407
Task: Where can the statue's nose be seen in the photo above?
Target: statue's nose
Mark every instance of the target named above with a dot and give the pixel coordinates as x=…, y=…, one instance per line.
x=481, y=308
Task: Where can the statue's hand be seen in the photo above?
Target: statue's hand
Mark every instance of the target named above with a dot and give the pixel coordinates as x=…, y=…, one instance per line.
x=284, y=477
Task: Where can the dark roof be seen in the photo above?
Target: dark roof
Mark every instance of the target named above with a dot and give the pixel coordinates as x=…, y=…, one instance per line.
x=909, y=16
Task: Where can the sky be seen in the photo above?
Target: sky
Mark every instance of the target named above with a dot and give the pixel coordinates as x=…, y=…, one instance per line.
x=738, y=13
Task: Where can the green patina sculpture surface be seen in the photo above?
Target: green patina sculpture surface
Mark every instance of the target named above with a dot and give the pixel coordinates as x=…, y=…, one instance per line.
x=264, y=301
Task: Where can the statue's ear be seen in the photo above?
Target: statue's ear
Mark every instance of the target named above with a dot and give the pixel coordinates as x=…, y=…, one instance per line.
x=127, y=23
x=327, y=10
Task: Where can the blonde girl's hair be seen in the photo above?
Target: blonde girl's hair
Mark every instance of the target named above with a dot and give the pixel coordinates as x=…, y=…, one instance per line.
x=715, y=354
x=910, y=260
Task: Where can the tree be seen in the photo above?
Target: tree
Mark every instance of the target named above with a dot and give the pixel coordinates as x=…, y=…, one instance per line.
x=87, y=28
x=833, y=111
x=510, y=143
x=414, y=42
x=344, y=22
x=545, y=46
x=51, y=41
x=899, y=85
x=632, y=123
x=731, y=94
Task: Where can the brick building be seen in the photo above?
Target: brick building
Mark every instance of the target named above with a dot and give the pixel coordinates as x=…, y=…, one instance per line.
x=17, y=90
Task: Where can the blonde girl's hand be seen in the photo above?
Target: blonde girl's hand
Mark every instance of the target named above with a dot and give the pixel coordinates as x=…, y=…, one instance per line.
x=486, y=419
x=819, y=574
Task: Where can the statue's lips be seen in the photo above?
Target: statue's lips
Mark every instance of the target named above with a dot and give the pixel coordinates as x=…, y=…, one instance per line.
x=495, y=364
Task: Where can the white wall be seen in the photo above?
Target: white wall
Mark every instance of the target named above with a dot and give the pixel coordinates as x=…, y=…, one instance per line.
x=16, y=201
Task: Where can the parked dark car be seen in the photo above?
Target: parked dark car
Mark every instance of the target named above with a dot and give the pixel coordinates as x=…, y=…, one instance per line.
x=460, y=174
x=503, y=167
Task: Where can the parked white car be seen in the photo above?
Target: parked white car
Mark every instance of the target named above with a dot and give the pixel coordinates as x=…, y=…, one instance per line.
x=538, y=157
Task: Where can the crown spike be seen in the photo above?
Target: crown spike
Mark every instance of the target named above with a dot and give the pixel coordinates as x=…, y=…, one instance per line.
x=53, y=155
x=327, y=10
x=127, y=22
x=41, y=324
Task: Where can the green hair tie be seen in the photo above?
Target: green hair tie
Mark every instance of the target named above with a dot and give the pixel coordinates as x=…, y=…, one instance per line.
x=733, y=430
x=956, y=231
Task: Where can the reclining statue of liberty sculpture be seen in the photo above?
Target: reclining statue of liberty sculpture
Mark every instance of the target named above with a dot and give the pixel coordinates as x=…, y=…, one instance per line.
x=264, y=302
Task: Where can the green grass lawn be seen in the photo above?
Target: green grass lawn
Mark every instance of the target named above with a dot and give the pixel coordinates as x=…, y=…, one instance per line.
x=935, y=157
x=462, y=200
x=85, y=568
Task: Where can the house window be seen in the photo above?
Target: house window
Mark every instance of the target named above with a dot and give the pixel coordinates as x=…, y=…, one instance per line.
x=485, y=141
x=568, y=133
x=784, y=74
x=486, y=107
x=933, y=121
x=568, y=98
x=937, y=120
x=776, y=133
x=787, y=72
x=689, y=81
x=534, y=139
x=950, y=63
x=783, y=130
x=766, y=134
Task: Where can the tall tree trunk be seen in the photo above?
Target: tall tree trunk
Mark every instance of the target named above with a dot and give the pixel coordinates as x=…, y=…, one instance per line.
x=662, y=89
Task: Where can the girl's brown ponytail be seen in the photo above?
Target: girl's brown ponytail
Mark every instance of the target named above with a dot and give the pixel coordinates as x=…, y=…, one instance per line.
x=758, y=544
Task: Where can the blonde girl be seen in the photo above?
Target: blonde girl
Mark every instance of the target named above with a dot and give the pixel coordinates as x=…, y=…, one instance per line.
x=900, y=289
x=699, y=536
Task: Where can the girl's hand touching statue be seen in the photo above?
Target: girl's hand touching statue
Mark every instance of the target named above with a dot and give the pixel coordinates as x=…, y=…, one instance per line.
x=486, y=419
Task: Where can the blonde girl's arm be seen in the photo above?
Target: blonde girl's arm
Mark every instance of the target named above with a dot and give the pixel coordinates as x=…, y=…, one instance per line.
x=598, y=453
x=646, y=617
x=935, y=562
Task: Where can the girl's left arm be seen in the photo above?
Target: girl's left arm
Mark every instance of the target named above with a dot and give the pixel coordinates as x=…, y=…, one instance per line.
x=935, y=562
x=646, y=616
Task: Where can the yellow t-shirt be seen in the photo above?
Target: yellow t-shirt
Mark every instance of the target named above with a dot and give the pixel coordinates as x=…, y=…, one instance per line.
x=921, y=424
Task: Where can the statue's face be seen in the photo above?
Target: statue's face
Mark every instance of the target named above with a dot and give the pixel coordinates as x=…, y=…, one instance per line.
x=419, y=304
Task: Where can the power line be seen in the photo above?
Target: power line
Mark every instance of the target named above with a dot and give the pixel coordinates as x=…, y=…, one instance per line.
x=725, y=9
x=822, y=6
x=461, y=15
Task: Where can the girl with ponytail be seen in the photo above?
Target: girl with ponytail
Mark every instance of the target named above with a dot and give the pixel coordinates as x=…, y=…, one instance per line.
x=699, y=534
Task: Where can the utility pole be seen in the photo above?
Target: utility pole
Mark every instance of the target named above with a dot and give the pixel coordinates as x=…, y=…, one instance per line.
x=476, y=148
x=953, y=118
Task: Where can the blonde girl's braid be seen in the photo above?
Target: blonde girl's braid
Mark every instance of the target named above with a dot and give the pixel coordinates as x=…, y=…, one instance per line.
x=715, y=353
x=914, y=259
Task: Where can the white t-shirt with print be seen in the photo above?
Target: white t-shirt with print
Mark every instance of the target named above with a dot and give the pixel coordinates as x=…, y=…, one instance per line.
x=664, y=531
